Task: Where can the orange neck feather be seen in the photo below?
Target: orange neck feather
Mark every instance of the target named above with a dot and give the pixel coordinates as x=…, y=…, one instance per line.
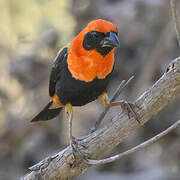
x=87, y=65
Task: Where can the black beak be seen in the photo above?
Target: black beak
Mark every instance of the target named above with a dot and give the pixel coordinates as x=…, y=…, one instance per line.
x=111, y=40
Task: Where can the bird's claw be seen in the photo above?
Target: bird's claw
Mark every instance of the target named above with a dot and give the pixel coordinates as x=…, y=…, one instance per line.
x=77, y=151
x=129, y=109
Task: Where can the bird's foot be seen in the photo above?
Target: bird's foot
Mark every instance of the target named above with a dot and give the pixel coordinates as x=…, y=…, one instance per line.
x=129, y=109
x=77, y=149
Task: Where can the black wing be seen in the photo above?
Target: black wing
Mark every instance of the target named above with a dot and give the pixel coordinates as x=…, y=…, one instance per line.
x=56, y=69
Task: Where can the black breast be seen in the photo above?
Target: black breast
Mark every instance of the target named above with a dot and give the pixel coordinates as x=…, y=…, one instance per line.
x=78, y=93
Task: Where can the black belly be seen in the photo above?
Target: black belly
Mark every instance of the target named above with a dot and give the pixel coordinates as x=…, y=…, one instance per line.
x=79, y=93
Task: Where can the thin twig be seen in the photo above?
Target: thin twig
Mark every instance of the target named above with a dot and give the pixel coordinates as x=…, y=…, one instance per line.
x=120, y=88
x=136, y=148
x=116, y=94
x=175, y=19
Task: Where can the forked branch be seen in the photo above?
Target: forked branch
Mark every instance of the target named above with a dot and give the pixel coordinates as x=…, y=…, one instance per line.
x=63, y=166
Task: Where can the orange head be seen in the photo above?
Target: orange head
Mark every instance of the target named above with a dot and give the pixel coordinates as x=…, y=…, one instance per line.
x=91, y=52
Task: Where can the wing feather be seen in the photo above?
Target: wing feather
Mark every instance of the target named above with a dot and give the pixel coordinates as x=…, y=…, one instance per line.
x=56, y=69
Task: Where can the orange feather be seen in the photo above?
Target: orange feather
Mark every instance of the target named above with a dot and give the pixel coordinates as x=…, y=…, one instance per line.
x=87, y=65
x=56, y=103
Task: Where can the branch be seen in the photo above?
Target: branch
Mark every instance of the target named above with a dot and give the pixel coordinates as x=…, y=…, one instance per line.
x=175, y=19
x=62, y=165
x=136, y=148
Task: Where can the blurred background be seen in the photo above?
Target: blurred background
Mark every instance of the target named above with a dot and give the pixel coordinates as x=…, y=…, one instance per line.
x=31, y=33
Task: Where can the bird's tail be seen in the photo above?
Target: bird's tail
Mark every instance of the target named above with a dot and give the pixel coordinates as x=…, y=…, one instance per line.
x=47, y=113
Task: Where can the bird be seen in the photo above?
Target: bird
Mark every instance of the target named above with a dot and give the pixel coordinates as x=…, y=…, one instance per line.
x=81, y=73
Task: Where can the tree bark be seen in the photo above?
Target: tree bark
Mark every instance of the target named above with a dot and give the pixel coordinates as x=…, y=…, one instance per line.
x=63, y=166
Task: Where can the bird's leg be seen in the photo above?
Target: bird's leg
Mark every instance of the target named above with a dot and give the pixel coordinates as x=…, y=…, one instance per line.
x=73, y=141
x=69, y=114
x=126, y=106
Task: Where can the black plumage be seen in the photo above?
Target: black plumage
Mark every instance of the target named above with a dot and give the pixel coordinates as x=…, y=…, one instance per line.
x=71, y=90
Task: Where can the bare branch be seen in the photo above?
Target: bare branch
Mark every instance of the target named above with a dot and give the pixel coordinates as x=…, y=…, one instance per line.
x=136, y=148
x=63, y=166
x=175, y=19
